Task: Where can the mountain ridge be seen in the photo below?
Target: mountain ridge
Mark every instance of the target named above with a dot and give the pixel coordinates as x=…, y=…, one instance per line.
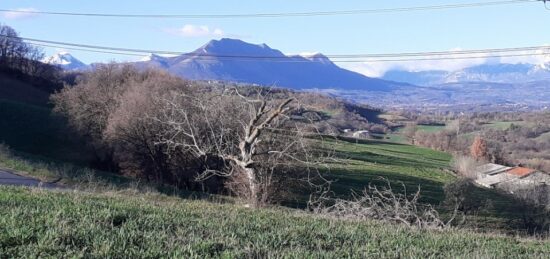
x=238, y=61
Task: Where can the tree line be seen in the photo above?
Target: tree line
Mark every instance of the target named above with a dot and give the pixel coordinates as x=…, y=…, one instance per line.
x=23, y=60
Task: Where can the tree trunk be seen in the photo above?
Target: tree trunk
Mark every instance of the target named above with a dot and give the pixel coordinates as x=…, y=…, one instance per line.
x=252, y=186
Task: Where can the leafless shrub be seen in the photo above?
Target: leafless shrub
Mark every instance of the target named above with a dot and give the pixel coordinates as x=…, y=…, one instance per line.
x=381, y=203
x=465, y=166
x=462, y=199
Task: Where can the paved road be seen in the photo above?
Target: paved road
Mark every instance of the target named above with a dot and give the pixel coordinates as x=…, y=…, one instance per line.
x=8, y=178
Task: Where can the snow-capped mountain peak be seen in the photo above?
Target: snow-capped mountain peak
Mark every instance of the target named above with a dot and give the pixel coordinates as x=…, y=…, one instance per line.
x=151, y=57
x=66, y=61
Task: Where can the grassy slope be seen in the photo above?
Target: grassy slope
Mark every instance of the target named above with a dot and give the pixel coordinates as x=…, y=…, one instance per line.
x=44, y=224
x=32, y=129
x=28, y=126
x=16, y=90
x=418, y=167
x=397, y=135
x=502, y=125
x=430, y=128
x=414, y=166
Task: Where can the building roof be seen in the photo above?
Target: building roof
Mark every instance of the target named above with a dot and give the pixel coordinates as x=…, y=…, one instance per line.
x=493, y=180
x=491, y=169
x=534, y=179
x=521, y=171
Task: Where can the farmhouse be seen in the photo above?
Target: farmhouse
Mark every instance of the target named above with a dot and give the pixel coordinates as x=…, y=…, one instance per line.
x=364, y=134
x=493, y=175
x=490, y=169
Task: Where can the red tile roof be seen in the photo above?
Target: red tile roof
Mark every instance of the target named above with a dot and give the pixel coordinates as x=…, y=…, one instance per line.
x=521, y=171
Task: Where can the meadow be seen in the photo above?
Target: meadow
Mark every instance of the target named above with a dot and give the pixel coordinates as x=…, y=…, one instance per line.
x=38, y=223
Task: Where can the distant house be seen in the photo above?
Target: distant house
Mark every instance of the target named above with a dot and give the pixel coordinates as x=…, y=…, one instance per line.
x=493, y=180
x=493, y=175
x=536, y=178
x=487, y=170
x=361, y=134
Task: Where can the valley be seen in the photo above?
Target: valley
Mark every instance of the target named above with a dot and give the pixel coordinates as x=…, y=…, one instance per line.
x=282, y=129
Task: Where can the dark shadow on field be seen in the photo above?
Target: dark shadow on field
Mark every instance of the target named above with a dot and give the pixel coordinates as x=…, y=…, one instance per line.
x=36, y=131
x=393, y=154
x=348, y=181
x=372, y=157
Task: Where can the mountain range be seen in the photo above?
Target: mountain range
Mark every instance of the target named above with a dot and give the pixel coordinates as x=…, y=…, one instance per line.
x=496, y=84
x=238, y=61
x=489, y=73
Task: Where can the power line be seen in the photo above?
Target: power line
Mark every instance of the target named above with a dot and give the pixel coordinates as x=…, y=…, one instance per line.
x=344, y=58
x=349, y=56
x=305, y=60
x=281, y=14
x=86, y=50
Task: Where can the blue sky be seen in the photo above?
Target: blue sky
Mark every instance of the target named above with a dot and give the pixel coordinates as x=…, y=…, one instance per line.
x=470, y=28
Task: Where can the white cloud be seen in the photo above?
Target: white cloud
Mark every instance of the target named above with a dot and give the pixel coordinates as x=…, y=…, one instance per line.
x=377, y=69
x=20, y=13
x=196, y=31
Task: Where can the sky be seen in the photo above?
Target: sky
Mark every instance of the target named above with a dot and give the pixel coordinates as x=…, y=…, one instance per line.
x=518, y=25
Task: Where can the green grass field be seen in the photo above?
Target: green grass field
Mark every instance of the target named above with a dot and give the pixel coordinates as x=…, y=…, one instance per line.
x=368, y=161
x=397, y=135
x=43, y=224
x=502, y=125
x=431, y=128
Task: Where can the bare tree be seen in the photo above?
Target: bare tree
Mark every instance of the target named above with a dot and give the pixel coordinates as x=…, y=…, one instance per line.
x=453, y=126
x=465, y=166
x=253, y=136
x=19, y=55
x=410, y=132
